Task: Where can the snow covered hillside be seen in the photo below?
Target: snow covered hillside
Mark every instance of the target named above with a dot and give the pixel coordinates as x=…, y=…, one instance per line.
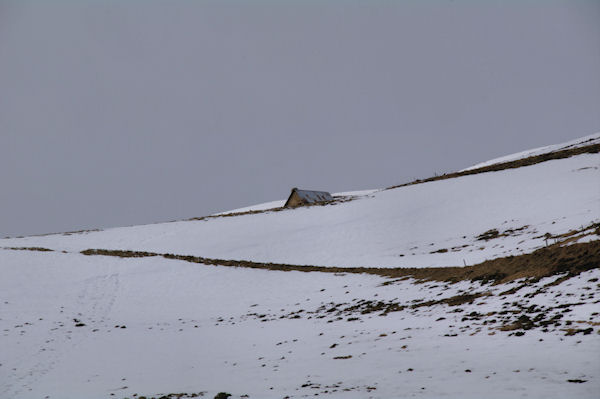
x=482, y=285
x=440, y=223
x=577, y=143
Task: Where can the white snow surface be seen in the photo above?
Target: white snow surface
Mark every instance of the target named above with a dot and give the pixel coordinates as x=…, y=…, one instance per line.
x=258, y=207
x=421, y=225
x=580, y=142
x=91, y=327
x=278, y=204
x=75, y=326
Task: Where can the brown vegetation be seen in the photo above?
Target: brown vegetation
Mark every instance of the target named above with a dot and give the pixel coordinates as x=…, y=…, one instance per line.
x=40, y=249
x=589, y=149
x=572, y=259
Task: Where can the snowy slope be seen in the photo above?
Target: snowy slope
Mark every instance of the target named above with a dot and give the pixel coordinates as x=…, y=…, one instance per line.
x=258, y=207
x=190, y=328
x=580, y=142
x=278, y=204
x=76, y=326
x=388, y=228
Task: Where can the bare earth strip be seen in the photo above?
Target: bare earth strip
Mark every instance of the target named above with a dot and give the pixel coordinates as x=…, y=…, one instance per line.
x=590, y=149
x=544, y=262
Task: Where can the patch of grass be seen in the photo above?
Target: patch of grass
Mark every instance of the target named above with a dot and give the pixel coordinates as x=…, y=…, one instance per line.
x=573, y=331
x=522, y=323
x=439, y=251
x=40, y=249
x=452, y=301
x=488, y=235
x=181, y=395
x=118, y=253
x=494, y=233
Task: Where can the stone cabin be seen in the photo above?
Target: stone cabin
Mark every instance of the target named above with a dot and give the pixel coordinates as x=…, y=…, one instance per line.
x=306, y=197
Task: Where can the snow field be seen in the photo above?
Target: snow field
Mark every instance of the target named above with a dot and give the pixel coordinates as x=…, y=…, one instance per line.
x=580, y=142
x=75, y=326
x=422, y=225
x=196, y=328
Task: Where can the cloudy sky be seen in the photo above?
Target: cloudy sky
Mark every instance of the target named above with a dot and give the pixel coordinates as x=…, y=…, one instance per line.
x=120, y=113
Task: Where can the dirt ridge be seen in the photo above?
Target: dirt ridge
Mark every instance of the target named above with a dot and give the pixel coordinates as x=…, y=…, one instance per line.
x=532, y=160
x=571, y=259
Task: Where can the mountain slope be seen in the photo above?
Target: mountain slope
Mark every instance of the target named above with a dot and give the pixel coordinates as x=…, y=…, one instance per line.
x=165, y=323
x=592, y=139
x=439, y=223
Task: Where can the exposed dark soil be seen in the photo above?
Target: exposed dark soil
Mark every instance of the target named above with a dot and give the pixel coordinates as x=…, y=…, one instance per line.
x=182, y=395
x=40, y=249
x=488, y=235
x=452, y=301
x=383, y=308
x=572, y=259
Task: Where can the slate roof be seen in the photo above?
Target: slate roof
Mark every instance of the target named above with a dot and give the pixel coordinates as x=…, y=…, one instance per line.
x=311, y=197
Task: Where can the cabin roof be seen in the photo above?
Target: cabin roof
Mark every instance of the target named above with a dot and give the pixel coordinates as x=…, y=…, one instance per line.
x=310, y=196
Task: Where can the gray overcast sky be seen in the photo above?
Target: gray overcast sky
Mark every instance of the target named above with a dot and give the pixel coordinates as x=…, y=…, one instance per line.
x=120, y=113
